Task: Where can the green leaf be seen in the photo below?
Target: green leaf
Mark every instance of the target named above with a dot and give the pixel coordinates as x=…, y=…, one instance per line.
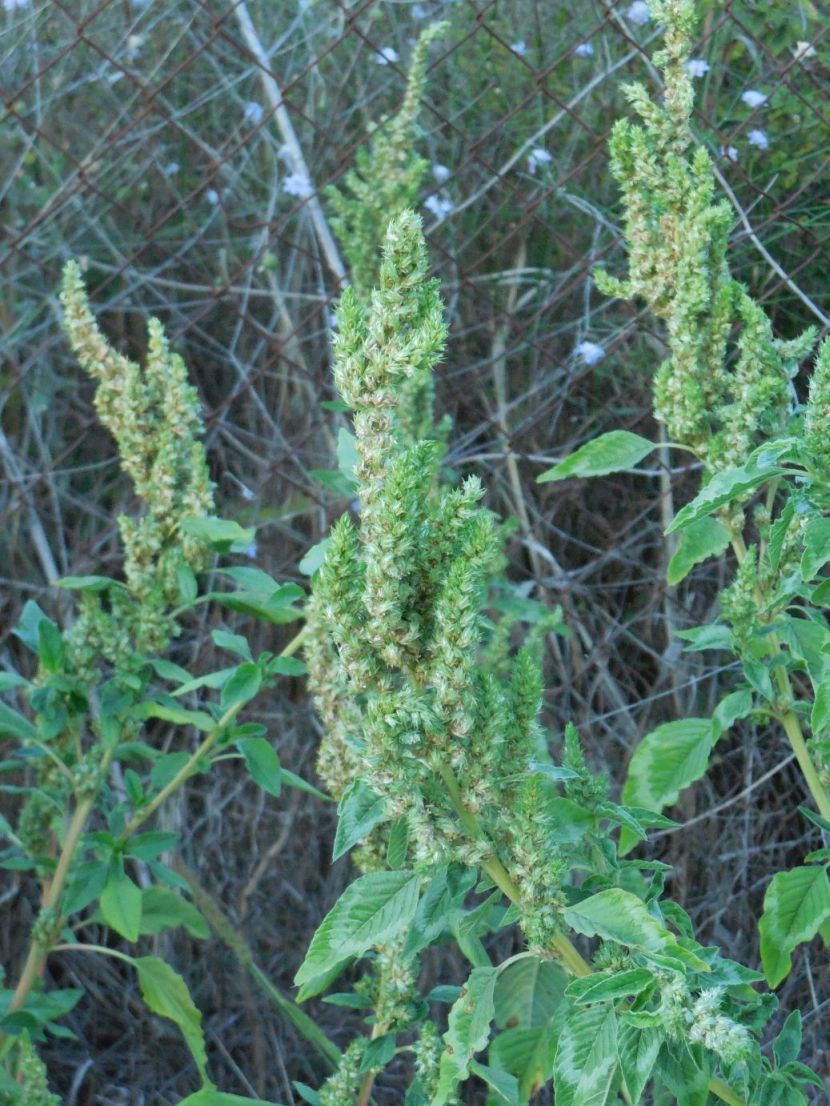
x=702, y=539
x=13, y=724
x=379, y=1052
x=816, y=537
x=168, y=671
x=787, y=1045
x=187, y=585
x=346, y=453
x=723, y=488
x=27, y=628
x=585, y=1067
x=398, y=843
x=616, y=451
x=714, y=636
x=221, y=533
x=687, y=1079
x=150, y=845
x=291, y=779
x=162, y=908
x=121, y=906
x=88, y=583
x=820, y=716
x=179, y=715
x=287, y=666
x=736, y=705
x=609, y=986
x=665, y=762
x=319, y=983
x=276, y=609
x=314, y=557
x=374, y=908
x=528, y=1054
x=262, y=762
x=167, y=767
x=440, y=902
x=529, y=992
x=617, y=915
x=468, y=1031
x=166, y=994
x=50, y=646
x=504, y=1085
x=360, y=809
x=306, y=1093
x=256, y=580
x=12, y=679
x=242, y=686
x=637, y=1050
x=806, y=639
x=234, y=643
x=85, y=885
x=796, y=904
x=215, y=679
x=209, y=1096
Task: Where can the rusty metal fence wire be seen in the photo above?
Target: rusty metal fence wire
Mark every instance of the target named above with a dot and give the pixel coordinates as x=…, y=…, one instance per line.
x=180, y=150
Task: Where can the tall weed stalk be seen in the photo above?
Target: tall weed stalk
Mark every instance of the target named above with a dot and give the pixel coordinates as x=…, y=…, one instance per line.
x=729, y=394
x=95, y=770
x=438, y=722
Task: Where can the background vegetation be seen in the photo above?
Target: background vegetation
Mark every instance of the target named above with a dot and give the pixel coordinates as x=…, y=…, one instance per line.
x=160, y=144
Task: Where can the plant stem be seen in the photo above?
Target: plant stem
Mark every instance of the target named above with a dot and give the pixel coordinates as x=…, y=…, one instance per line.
x=186, y=770
x=82, y=947
x=792, y=727
x=295, y=643
x=37, y=953
x=564, y=948
x=789, y=720
x=365, y=1092
x=724, y=1092
x=189, y=767
x=224, y=929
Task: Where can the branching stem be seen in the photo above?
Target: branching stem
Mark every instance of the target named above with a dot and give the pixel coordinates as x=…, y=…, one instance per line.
x=186, y=770
x=563, y=947
x=37, y=952
x=789, y=720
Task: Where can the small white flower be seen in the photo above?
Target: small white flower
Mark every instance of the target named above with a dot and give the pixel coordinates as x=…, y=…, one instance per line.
x=729, y=152
x=171, y=168
x=418, y=11
x=297, y=184
x=441, y=172
x=251, y=551
x=758, y=138
x=332, y=320
x=696, y=67
x=388, y=54
x=440, y=206
x=212, y=196
x=134, y=44
x=584, y=50
x=590, y=352
x=247, y=493
x=253, y=112
x=538, y=156
x=520, y=48
x=638, y=12
x=803, y=50
x=752, y=98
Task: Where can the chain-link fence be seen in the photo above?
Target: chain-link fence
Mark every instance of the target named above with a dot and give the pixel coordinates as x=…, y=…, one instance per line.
x=181, y=151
